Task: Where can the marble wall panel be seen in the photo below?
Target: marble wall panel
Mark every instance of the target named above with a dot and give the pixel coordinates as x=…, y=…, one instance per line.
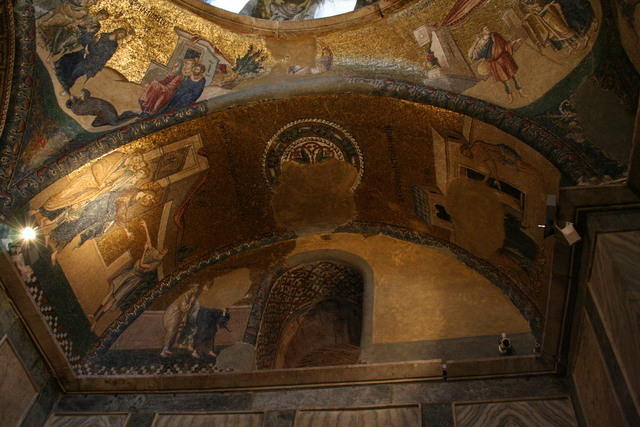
x=400, y=416
x=615, y=287
x=594, y=389
x=525, y=413
x=87, y=420
x=32, y=362
x=254, y=419
x=17, y=390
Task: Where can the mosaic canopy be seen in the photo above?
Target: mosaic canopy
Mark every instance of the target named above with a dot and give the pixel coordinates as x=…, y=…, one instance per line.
x=101, y=66
x=213, y=201
x=180, y=257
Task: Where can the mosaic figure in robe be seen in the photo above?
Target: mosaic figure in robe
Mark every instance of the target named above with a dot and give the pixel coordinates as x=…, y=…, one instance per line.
x=89, y=61
x=494, y=56
x=131, y=283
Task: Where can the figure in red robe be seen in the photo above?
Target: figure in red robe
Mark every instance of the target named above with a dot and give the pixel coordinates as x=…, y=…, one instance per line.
x=493, y=50
x=158, y=93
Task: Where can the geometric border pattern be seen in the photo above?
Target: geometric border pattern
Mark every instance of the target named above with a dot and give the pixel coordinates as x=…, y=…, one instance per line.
x=7, y=53
x=21, y=21
x=276, y=148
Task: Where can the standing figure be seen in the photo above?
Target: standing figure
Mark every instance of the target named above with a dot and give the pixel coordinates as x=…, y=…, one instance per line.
x=189, y=91
x=179, y=316
x=87, y=62
x=491, y=48
x=207, y=322
x=133, y=282
x=158, y=93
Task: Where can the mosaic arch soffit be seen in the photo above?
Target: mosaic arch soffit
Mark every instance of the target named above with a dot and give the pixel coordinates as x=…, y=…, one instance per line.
x=571, y=163
x=529, y=311
x=576, y=162
x=220, y=252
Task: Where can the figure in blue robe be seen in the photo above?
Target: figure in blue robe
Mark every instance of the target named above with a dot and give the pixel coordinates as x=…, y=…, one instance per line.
x=87, y=62
x=189, y=90
x=97, y=216
x=208, y=320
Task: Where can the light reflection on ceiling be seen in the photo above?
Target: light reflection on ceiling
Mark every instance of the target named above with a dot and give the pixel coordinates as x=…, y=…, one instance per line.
x=325, y=9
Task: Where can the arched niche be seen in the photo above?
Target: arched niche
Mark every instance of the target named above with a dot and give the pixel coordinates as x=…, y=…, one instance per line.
x=313, y=317
x=349, y=304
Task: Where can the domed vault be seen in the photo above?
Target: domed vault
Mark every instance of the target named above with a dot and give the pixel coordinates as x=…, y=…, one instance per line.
x=218, y=197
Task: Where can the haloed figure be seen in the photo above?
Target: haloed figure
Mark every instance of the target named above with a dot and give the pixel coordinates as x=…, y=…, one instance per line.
x=179, y=318
x=491, y=48
x=158, y=93
x=190, y=88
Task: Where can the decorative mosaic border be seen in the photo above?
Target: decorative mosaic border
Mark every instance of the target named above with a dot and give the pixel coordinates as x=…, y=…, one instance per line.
x=90, y=365
x=557, y=150
x=93, y=369
x=272, y=145
x=48, y=314
x=7, y=37
x=20, y=98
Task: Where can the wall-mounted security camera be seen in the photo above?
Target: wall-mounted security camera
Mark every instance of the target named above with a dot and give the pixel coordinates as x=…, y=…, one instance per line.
x=568, y=233
x=563, y=229
x=504, y=345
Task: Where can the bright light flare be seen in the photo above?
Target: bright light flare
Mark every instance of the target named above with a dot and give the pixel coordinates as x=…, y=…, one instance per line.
x=230, y=5
x=27, y=234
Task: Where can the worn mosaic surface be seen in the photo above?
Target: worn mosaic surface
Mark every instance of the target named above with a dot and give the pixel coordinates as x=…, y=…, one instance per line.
x=173, y=168
x=548, y=62
x=167, y=255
